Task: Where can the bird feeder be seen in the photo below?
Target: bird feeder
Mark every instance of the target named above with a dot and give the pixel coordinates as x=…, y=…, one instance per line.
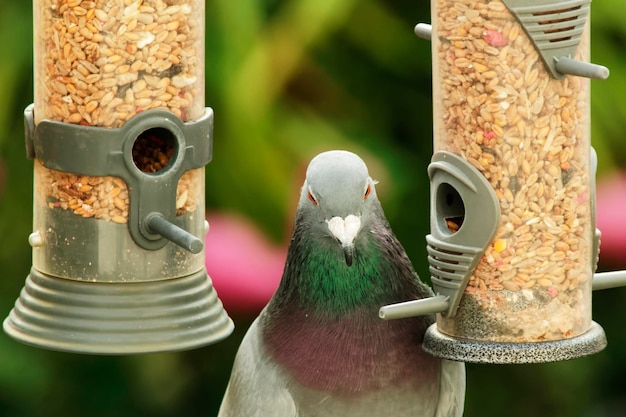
x=120, y=137
x=513, y=245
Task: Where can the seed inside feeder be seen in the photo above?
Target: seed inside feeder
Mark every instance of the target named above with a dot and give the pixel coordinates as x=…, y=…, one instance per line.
x=153, y=149
x=454, y=223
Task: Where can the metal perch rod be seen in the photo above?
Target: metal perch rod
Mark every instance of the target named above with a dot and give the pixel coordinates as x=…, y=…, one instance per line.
x=605, y=280
x=156, y=223
x=566, y=65
x=432, y=305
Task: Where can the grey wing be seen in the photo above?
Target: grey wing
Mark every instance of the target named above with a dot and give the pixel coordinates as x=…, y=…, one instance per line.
x=257, y=388
x=451, y=389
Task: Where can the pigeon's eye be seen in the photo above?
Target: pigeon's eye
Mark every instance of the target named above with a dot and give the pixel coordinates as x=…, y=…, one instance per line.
x=368, y=190
x=312, y=198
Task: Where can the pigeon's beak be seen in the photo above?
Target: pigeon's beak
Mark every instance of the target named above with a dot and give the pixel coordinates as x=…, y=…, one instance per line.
x=345, y=231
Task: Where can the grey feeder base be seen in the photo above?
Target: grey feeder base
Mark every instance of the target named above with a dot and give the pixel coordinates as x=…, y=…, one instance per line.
x=473, y=351
x=116, y=318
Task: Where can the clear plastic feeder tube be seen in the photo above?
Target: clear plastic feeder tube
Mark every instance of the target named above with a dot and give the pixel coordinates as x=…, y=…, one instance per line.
x=497, y=106
x=100, y=63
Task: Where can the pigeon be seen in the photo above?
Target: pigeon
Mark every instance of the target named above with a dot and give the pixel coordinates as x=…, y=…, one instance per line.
x=319, y=348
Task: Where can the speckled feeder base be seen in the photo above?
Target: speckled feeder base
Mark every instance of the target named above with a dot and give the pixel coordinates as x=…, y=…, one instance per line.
x=114, y=318
x=473, y=351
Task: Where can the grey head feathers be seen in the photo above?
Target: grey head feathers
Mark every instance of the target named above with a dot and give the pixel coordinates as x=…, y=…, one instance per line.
x=338, y=196
x=338, y=181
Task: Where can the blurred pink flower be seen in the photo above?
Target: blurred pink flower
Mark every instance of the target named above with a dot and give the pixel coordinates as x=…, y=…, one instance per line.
x=243, y=264
x=610, y=209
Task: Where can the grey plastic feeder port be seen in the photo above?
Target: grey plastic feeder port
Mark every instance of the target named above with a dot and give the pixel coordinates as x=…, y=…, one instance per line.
x=464, y=215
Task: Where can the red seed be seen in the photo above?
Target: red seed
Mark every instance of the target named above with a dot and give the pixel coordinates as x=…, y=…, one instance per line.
x=494, y=38
x=552, y=292
x=489, y=135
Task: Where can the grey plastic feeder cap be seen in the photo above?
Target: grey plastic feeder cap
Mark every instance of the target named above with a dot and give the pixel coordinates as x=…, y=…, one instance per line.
x=116, y=318
x=444, y=346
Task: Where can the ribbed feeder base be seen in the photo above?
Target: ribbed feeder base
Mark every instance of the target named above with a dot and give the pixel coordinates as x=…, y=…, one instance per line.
x=115, y=318
x=474, y=351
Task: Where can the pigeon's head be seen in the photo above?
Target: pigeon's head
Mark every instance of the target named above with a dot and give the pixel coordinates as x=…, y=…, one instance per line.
x=337, y=197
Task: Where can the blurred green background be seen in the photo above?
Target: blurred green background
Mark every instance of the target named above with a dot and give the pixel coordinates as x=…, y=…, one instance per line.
x=288, y=79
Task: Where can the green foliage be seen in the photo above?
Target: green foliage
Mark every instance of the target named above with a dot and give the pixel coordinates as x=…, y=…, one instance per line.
x=288, y=79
